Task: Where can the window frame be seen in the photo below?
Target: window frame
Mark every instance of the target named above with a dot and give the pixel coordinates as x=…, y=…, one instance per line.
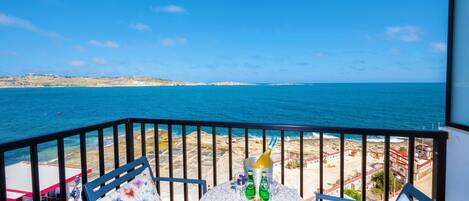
x=449, y=70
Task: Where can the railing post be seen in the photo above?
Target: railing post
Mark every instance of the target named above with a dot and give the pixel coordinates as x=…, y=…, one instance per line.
x=129, y=140
x=282, y=156
x=144, y=140
x=301, y=163
x=199, y=159
x=84, y=168
x=410, y=165
x=157, y=154
x=3, y=185
x=439, y=168
x=115, y=136
x=321, y=162
x=101, y=158
x=364, y=155
x=214, y=155
x=170, y=160
x=61, y=160
x=230, y=155
x=387, y=168
x=342, y=148
x=35, y=172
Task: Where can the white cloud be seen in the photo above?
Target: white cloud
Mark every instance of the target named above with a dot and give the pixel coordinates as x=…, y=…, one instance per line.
x=99, y=61
x=140, y=27
x=12, y=21
x=108, y=44
x=76, y=63
x=170, y=9
x=406, y=33
x=439, y=47
x=171, y=42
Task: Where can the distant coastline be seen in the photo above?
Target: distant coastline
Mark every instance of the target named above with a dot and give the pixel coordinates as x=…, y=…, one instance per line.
x=49, y=80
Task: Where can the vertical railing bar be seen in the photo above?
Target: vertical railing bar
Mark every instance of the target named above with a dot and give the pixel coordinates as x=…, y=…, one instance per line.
x=35, y=172
x=129, y=141
x=321, y=161
x=230, y=156
x=439, y=168
x=364, y=138
x=301, y=163
x=411, y=154
x=84, y=168
x=144, y=139
x=264, y=142
x=115, y=138
x=184, y=161
x=61, y=161
x=3, y=185
x=101, y=153
x=157, y=154
x=246, y=142
x=199, y=160
x=282, y=155
x=214, y=154
x=170, y=157
x=386, y=167
x=342, y=145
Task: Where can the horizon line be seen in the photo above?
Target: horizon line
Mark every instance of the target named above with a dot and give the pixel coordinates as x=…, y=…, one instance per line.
x=255, y=83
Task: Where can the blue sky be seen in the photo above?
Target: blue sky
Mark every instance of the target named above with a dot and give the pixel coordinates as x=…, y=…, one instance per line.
x=212, y=40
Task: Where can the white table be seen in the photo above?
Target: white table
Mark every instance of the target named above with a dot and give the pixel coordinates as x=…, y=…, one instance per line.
x=224, y=192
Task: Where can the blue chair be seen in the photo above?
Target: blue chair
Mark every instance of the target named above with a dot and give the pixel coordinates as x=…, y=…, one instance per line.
x=131, y=169
x=409, y=192
x=330, y=198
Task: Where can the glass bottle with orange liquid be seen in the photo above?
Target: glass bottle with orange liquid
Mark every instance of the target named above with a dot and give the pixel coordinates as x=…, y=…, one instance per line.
x=264, y=160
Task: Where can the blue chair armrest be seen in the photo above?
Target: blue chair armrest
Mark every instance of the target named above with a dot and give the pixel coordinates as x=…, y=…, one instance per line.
x=202, y=183
x=330, y=198
x=411, y=192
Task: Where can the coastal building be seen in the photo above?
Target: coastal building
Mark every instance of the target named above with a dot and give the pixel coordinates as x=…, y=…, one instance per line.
x=19, y=185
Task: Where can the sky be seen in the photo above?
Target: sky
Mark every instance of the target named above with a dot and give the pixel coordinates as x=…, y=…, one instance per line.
x=303, y=41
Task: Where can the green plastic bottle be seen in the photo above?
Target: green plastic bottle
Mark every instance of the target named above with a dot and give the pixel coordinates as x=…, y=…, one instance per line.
x=250, y=190
x=264, y=193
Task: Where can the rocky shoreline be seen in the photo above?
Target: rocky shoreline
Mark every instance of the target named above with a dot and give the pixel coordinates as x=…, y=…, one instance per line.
x=40, y=80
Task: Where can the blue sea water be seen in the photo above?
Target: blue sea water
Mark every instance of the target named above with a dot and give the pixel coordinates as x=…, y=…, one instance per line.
x=28, y=112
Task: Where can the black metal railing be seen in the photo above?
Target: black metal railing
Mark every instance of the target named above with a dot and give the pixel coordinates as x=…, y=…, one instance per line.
x=439, y=151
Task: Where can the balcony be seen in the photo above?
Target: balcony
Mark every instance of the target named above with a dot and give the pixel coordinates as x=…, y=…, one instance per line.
x=330, y=160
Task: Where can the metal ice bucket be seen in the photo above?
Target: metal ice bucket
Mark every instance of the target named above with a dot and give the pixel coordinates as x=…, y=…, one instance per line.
x=257, y=173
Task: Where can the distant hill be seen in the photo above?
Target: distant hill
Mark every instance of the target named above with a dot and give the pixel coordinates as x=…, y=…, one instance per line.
x=40, y=80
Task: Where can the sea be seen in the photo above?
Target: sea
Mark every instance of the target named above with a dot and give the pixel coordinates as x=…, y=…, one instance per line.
x=27, y=112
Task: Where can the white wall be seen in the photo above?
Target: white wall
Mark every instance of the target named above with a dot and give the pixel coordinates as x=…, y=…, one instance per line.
x=457, y=166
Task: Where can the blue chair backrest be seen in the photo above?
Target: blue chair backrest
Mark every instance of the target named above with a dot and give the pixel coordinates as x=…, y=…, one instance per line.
x=131, y=169
x=330, y=198
x=412, y=193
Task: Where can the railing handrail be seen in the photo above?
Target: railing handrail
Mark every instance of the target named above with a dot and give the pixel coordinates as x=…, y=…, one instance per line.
x=25, y=142
x=38, y=139
x=299, y=127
